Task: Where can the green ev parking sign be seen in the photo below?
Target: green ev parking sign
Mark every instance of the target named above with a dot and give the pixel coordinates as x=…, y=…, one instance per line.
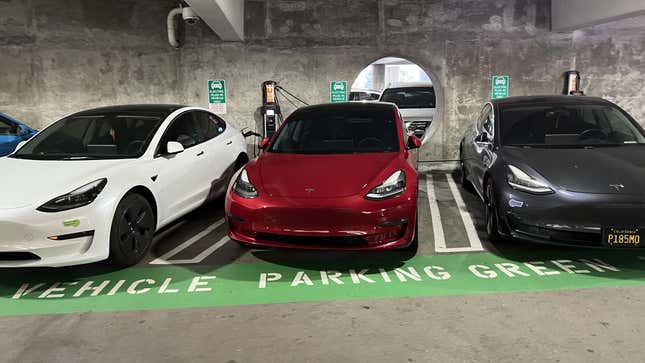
x=500, y=86
x=338, y=91
x=217, y=96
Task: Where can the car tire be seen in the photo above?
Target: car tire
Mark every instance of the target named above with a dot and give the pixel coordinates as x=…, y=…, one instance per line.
x=491, y=215
x=133, y=228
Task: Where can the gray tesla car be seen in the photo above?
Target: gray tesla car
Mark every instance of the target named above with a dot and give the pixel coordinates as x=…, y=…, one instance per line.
x=558, y=169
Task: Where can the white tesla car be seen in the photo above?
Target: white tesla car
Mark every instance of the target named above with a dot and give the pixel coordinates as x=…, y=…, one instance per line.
x=99, y=183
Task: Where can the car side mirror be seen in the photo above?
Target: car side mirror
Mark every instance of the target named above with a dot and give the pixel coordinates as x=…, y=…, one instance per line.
x=173, y=147
x=264, y=143
x=413, y=142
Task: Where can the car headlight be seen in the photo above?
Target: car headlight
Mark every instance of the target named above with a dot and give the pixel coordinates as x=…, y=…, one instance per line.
x=392, y=186
x=75, y=199
x=243, y=186
x=519, y=180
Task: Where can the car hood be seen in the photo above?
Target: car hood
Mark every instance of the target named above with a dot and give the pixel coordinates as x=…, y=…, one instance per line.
x=591, y=170
x=330, y=176
x=33, y=182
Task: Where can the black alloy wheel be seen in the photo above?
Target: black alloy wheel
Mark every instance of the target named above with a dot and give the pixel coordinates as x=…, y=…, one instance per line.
x=132, y=231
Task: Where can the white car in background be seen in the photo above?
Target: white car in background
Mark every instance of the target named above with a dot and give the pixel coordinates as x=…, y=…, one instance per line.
x=99, y=183
x=417, y=103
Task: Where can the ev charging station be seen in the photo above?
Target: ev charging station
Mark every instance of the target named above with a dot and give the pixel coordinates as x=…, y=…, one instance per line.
x=572, y=84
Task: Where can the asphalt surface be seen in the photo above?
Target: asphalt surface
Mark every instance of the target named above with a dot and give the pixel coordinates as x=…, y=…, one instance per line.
x=568, y=325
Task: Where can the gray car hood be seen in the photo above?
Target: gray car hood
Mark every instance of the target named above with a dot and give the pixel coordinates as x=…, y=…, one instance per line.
x=585, y=170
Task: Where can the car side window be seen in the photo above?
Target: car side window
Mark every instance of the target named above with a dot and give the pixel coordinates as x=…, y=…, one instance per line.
x=182, y=130
x=209, y=126
x=7, y=128
x=485, y=121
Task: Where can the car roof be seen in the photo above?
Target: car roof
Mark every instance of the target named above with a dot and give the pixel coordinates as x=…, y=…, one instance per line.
x=158, y=108
x=348, y=106
x=551, y=99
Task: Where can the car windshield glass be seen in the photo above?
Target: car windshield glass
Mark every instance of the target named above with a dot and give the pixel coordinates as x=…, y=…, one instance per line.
x=97, y=136
x=338, y=132
x=6, y=128
x=418, y=97
x=567, y=125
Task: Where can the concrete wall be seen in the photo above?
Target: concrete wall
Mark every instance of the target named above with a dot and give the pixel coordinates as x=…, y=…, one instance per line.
x=85, y=53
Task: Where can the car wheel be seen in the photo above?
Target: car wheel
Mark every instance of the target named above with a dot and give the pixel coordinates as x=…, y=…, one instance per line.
x=133, y=227
x=490, y=210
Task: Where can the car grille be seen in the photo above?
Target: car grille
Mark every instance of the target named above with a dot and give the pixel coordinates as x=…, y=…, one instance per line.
x=350, y=241
x=583, y=238
x=18, y=256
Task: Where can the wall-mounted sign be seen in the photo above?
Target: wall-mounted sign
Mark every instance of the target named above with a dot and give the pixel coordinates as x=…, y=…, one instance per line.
x=338, y=91
x=500, y=86
x=217, y=96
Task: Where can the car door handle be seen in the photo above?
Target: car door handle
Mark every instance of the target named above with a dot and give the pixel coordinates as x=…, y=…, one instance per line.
x=229, y=142
x=200, y=153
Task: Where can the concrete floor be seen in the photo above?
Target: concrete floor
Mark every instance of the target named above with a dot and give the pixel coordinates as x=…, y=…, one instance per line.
x=602, y=325
x=571, y=325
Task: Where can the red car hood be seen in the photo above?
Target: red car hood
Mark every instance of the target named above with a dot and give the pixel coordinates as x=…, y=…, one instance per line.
x=330, y=176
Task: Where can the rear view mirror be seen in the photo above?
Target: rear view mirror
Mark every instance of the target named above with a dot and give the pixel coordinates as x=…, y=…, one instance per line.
x=413, y=142
x=264, y=143
x=173, y=147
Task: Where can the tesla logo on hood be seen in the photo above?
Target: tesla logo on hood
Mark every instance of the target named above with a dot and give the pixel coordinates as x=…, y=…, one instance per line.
x=618, y=187
x=309, y=190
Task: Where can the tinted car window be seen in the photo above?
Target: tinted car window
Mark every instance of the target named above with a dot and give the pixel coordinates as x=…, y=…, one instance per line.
x=6, y=128
x=338, y=132
x=183, y=131
x=419, y=97
x=96, y=136
x=484, y=116
x=567, y=124
x=209, y=126
x=363, y=96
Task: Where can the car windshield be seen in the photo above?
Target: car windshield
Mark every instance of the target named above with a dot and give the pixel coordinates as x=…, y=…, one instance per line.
x=343, y=131
x=417, y=97
x=95, y=136
x=6, y=128
x=567, y=125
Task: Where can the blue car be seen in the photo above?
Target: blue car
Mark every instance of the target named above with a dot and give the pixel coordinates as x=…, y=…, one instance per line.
x=12, y=132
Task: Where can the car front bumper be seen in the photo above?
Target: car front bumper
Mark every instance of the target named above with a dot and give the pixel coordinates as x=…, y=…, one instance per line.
x=566, y=218
x=350, y=223
x=25, y=236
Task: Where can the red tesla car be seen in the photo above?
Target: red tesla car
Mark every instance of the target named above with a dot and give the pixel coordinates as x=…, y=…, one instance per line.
x=335, y=176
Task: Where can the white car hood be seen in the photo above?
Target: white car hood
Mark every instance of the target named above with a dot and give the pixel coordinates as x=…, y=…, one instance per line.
x=33, y=182
x=417, y=114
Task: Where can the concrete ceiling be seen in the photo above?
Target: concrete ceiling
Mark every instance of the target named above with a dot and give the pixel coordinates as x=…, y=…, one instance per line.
x=570, y=15
x=225, y=17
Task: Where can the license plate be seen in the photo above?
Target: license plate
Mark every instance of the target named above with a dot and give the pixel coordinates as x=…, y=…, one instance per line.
x=623, y=237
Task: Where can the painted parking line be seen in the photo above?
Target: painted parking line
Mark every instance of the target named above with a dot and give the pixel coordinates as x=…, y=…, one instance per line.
x=89, y=289
x=165, y=258
x=437, y=227
x=199, y=258
x=471, y=232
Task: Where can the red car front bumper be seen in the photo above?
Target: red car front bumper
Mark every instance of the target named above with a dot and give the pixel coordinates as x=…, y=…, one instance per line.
x=350, y=223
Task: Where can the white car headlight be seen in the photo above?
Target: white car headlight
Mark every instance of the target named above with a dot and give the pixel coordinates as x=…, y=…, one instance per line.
x=78, y=198
x=243, y=186
x=520, y=180
x=392, y=186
